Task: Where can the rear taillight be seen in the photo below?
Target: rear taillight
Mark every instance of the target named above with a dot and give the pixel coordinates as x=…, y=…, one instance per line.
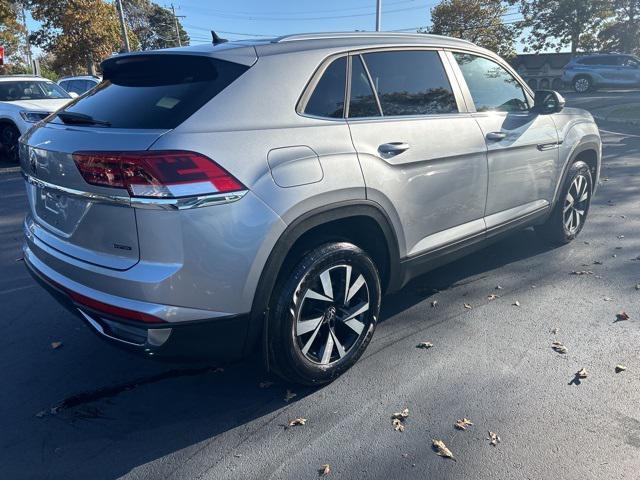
x=169, y=174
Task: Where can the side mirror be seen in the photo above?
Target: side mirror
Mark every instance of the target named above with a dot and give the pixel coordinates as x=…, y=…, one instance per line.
x=548, y=101
x=73, y=95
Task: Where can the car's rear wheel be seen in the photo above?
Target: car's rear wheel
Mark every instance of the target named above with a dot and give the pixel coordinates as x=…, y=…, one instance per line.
x=582, y=84
x=324, y=314
x=570, y=213
x=9, y=136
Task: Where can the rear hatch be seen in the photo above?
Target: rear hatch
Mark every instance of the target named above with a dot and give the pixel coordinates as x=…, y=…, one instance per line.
x=82, y=209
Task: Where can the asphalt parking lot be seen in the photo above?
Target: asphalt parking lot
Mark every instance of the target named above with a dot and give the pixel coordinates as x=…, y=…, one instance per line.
x=118, y=415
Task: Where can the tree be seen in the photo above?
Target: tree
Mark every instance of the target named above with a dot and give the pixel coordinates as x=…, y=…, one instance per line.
x=621, y=33
x=556, y=23
x=479, y=21
x=154, y=26
x=79, y=33
x=11, y=38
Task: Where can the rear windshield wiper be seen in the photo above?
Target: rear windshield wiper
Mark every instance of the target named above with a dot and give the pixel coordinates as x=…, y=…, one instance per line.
x=74, y=118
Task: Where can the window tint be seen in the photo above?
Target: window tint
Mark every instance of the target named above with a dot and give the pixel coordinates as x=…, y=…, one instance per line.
x=30, y=90
x=492, y=87
x=363, y=102
x=327, y=99
x=154, y=91
x=410, y=82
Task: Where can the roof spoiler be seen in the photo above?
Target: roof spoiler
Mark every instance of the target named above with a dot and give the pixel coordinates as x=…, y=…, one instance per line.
x=216, y=39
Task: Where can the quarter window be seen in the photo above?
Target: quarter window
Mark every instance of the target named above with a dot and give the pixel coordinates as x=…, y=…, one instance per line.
x=410, y=82
x=492, y=87
x=363, y=101
x=327, y=99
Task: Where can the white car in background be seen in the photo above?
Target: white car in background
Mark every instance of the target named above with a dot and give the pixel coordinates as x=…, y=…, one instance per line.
x=79, y=84
x=25, y=100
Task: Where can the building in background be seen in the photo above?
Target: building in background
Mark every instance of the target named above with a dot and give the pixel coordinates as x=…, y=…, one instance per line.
x=542, y=71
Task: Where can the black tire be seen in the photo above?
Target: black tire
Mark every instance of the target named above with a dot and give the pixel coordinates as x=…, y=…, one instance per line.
x=9, y=136
x=566, y=221
x=295, y=308
x=583, y=84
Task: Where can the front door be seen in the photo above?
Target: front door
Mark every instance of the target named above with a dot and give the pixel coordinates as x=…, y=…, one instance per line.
x=423, y=158
x=522, y=146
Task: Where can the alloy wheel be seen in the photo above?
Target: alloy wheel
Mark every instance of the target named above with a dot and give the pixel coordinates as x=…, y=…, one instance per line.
x=333, y=314
x=582, y=85
x=576, y=204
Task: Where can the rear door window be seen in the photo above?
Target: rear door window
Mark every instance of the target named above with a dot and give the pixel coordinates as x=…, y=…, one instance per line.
x=327, y=99
x=153, y=91
x=491, y=86
x=410, y=82
x=362, y=102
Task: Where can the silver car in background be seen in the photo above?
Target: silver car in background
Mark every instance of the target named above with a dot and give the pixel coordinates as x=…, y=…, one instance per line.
x=590, y=72
x=263, y=195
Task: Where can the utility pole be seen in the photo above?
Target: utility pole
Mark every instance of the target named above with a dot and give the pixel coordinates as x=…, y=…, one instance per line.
x=175, y=18
x=123, y=27
x=378, y=14
x=27, y=44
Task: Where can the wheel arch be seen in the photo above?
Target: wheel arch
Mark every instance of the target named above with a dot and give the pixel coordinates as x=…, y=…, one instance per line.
x=590, y=153
x=342, y=221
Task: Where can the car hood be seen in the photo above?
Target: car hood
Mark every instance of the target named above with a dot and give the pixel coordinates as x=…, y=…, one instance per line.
x=47, y=105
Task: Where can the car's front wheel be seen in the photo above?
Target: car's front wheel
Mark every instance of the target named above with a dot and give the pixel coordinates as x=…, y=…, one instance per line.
x=571, y=210
x=582, y=84
x=324, y=314
x=9, y=136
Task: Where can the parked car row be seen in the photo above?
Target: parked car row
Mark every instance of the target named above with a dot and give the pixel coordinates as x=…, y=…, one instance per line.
x=218, y=200
x=590, y=72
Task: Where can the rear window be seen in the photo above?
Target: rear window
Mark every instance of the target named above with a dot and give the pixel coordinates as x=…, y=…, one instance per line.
x=153, y=91
x=30, y=90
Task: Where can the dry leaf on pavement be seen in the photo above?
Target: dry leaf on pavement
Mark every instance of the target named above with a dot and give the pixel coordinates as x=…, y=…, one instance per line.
x=463, y=424
x=622, y=316
x=493, y=438
x=401, y=415
x=554, y=331
x=582, y=272
x=582, y=373
x=297, y=421
x=289, y=395
x=638, y=286
x=493, y=296
x=397, y=425
x=516, y=303
x=559, y=347
x=424, y=345
x=56, y=345
x=467, y=306
x=620, y=368
x=498, y=287
x=324, y=470
x=441, y=449
x=434, y=304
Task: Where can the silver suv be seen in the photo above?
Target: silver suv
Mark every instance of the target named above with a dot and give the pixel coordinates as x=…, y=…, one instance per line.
x=594, y=71
x=264, y=195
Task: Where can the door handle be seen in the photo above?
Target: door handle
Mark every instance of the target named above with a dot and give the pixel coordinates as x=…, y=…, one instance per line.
x=496, y=136
x=393, y=148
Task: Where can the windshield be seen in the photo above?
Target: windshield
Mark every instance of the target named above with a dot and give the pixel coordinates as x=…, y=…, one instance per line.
x=30, y=90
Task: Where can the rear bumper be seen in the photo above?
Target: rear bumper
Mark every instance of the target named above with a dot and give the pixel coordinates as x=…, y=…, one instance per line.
x=219, y=338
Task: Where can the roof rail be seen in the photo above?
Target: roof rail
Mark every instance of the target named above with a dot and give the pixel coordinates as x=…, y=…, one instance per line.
x=337, y=35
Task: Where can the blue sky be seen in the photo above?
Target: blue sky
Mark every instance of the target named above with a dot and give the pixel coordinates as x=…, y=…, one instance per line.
x=254, y=18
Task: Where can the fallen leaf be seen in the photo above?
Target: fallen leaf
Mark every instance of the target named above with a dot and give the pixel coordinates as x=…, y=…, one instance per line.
x=397, y=425
x=614, y=255
x=463, y=424
x=266, y=384
x=498, y=287
x=424, y=345
x=401, y=415
x=494, y=439
x=289, y=395
x=621, y=236
x=441, y=449
x=597, y=262
x=582, y=272
x=559, y=347
x=554, y=331
x=21, y=259
x=297, y=421
x=620, y=368
x=467, y=306
x=434, y=304
x=324, y=470
x=607, y=299
x=56, y=345
x=582, y=373
x=516, y=303
x=493, y=296
x=622, y=316
x=637, y=286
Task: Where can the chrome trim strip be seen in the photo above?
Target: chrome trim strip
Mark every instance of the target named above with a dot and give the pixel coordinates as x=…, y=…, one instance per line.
x=183, y=203
x=98, y=328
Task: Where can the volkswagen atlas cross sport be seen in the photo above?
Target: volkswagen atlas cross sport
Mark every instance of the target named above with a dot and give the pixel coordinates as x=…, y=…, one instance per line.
x=264, y=195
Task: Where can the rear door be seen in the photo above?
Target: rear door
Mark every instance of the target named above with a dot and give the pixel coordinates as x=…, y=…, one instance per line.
x=423, y=158
x=522, y=145
x=141, y=98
